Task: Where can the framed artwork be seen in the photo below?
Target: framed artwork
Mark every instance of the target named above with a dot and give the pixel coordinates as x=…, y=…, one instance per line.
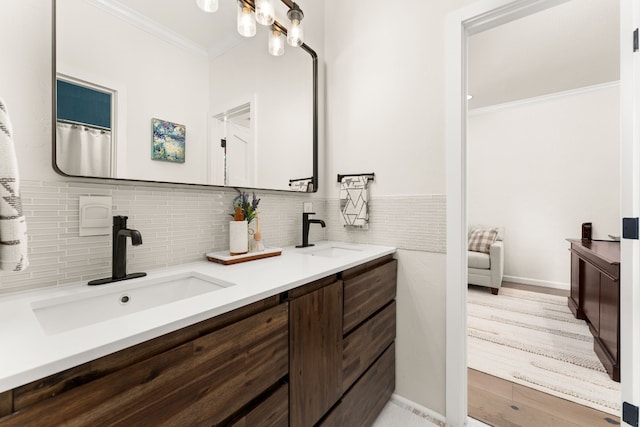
x=168, y=141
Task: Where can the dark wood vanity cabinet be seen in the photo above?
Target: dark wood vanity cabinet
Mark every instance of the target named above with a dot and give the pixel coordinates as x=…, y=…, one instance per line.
x=315, y=343
x=341, y=327
x=368, y=351
x=595, y=297
x=322, y=354
x=227, y=370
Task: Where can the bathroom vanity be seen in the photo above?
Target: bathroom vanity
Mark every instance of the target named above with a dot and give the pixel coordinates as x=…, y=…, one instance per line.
x=315, y=347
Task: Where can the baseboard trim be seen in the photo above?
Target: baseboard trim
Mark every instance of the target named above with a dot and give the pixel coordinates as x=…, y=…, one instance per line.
x=417, y=409
x=535, y=282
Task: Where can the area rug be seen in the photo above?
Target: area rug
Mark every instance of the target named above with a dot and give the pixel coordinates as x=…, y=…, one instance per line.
x=532, y=339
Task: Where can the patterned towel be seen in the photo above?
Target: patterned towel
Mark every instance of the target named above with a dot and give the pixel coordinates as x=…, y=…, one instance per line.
x=354, y=201
x=13, y=226
x=302, y=185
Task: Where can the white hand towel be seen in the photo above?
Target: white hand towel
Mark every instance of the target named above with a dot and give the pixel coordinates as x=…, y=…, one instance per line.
x=354, y=201
x=13, y=226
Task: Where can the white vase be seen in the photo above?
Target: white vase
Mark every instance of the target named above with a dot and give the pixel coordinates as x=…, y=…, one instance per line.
x=238, y=237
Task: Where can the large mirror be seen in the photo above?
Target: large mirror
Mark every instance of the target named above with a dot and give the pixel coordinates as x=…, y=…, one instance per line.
x=162, y=91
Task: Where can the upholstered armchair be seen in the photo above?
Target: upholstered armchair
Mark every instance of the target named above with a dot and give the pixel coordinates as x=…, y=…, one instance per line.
x=486, y=260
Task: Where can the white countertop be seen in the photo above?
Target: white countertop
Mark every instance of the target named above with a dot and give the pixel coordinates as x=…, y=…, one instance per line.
x=28, y=353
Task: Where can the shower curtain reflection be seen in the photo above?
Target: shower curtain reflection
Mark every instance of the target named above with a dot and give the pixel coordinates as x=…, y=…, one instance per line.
x=83, y=150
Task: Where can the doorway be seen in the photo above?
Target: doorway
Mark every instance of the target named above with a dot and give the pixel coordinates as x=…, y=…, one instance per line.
x=461, y=24
x=543, y=158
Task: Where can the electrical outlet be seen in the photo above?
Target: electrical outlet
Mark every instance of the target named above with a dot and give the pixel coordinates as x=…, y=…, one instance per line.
x=307, y=207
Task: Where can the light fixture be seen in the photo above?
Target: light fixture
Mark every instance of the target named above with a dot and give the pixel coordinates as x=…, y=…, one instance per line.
x=265, y=12
x=295, y=35
x=208, y=5
x=276, y=41
x=265, y=15
x=246, y=21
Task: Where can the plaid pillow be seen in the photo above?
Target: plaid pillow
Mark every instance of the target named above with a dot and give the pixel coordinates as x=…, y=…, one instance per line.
x=481, y=240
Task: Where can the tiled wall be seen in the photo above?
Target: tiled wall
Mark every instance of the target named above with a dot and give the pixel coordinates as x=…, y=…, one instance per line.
x=405, y=222
x=178, y=225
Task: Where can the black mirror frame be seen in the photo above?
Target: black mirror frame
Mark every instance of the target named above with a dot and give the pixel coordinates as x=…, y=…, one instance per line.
x=314, y=178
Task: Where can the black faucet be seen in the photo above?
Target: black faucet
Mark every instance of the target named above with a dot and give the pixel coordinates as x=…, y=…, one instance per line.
x=119, y=252
x=305, y=228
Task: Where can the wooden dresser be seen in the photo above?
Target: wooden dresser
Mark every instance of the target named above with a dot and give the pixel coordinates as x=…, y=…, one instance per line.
x=595, y=296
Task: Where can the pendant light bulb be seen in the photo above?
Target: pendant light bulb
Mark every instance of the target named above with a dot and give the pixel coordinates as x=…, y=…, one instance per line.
x=246, y=21
x=265, y=12
x=208, y=5
x=276, y=42
x=295, y=34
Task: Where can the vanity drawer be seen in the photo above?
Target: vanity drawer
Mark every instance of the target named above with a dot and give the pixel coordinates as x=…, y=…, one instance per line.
x=206, y=380
x=271, y=412
x=366, y=293
x=365, y=343
x=361, y=405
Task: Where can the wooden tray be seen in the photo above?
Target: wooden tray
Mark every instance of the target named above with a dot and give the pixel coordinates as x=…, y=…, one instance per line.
x=226, y=259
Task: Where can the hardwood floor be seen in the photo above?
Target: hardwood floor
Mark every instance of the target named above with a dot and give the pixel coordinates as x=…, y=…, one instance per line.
x=502, y=403
x=540, y=289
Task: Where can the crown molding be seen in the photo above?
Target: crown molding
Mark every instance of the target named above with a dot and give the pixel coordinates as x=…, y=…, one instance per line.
x=150, y=26
x=542, y=98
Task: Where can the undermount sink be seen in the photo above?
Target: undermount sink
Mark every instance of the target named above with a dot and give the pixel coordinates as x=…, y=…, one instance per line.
x=332, y=251
x=120, y=299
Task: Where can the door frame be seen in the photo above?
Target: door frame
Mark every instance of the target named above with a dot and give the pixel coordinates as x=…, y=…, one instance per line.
x=629, y=203
x=477, y=17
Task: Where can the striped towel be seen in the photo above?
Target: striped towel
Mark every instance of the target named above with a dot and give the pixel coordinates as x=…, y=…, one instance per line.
x=13, y=226
x=354, y=201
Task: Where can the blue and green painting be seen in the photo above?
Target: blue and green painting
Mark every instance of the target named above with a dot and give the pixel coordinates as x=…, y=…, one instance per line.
x=168, y=141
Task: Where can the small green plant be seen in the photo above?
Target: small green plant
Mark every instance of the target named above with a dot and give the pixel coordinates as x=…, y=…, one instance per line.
x=249, y=208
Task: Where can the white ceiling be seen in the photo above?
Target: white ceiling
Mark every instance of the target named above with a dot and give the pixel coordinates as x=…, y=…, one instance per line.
x=573, y=45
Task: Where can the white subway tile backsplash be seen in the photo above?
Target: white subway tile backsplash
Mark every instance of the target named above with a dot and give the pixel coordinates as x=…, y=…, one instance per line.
x=414, y=222
x=180, y=225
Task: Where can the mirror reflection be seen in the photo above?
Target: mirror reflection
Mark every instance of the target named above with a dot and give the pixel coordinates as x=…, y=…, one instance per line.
x=162, y=91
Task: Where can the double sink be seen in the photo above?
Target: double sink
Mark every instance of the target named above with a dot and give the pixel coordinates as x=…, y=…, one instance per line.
x=65, y=313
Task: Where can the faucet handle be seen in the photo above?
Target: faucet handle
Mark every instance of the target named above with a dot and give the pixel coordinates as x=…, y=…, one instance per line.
x=120, y=221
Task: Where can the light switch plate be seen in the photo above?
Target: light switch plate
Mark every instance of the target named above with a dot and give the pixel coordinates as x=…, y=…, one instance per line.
x=307, y=207
x=95, y=215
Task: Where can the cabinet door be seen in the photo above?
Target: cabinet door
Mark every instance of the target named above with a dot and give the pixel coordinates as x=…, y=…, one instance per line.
x=575, y=296
x=591, y=301
x=609, y=318
x=315, y=345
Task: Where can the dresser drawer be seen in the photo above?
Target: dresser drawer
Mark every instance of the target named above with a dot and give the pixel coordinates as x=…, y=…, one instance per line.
x=367, y=292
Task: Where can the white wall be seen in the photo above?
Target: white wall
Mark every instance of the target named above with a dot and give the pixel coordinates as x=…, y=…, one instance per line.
x=178, y=224
x=541, y=169
x=25, y=83
x=281, y=87
x=155, y=79
x=385, y=114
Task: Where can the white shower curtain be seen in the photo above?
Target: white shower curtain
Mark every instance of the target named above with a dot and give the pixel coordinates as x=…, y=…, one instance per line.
x=81, y=150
